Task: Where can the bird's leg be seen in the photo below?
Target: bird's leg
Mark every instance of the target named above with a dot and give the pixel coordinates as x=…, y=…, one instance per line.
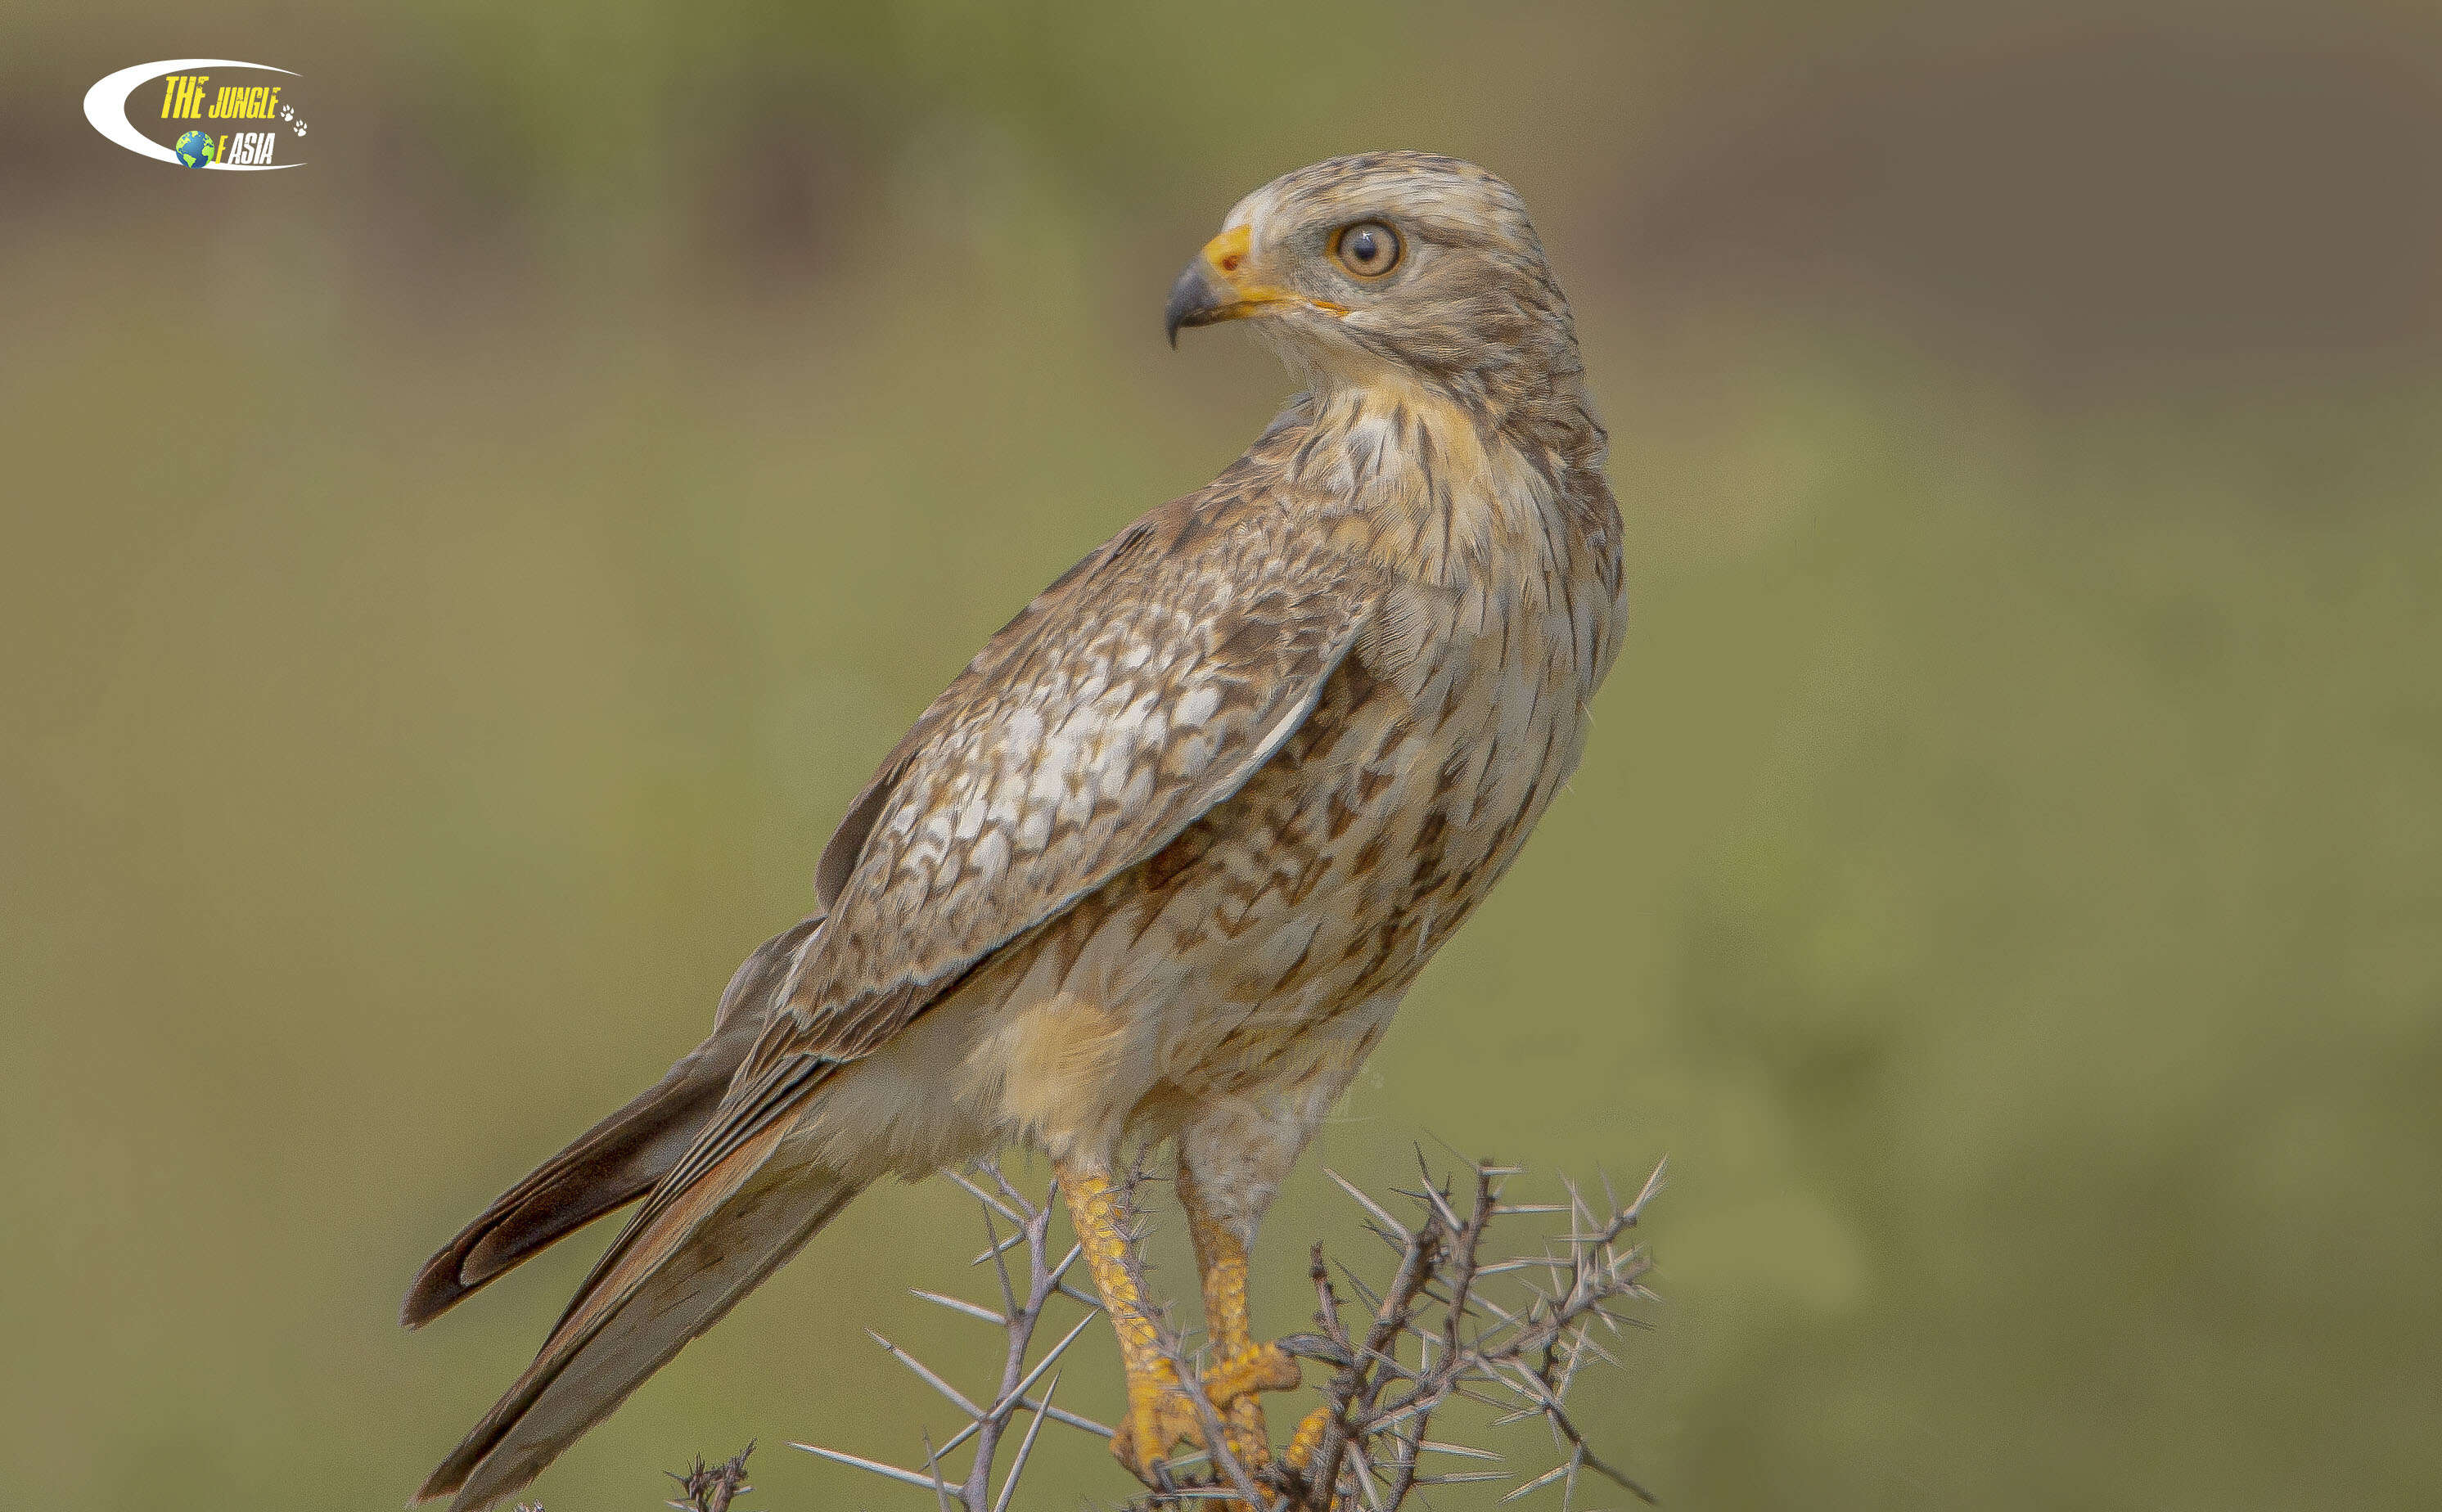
x=1241, y=1368
x=1158, y=1411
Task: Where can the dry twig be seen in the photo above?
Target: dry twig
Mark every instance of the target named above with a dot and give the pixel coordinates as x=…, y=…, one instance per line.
x=710, y=1488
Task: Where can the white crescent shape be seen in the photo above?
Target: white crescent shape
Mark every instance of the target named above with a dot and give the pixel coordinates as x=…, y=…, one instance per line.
x=105, y=105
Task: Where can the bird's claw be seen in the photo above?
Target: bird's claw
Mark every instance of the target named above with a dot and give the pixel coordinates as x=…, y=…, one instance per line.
x=1263, y=1368
x=1161, y=1414
x=1158, y=1416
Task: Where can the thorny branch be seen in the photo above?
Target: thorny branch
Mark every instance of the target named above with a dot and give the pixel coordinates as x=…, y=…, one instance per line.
x=1020, y=1317
x=1508, y=1335
x=1520, y=1359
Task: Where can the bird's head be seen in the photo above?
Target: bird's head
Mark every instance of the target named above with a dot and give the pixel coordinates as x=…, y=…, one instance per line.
x=1390, y=268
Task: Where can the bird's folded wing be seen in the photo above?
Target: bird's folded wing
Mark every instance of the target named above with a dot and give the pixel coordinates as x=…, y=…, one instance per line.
x=1093, y=732
x=1128, y=700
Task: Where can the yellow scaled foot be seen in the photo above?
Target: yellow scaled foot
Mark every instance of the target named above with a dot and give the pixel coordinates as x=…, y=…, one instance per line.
x=1307, y=1441
x=1263, y=1368
x=1243, y=1368
x=1160, y=1416
x=1234, y=1386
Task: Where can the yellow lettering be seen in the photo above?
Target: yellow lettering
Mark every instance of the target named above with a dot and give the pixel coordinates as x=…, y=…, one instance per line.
x=169, y=95
x=271, y=103
x=254, y=105
x=220, y=153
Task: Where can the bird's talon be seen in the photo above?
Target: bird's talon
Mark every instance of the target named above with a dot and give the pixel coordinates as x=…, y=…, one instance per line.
x=1306, y=1440
x=1263, y=1368
x=1160, y=1415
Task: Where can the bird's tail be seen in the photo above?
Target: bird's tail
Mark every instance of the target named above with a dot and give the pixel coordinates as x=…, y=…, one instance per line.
x=672, y=1276
x=618, y=1159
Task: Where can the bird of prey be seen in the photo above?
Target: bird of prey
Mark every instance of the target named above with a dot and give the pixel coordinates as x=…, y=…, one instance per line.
x=1161, y=862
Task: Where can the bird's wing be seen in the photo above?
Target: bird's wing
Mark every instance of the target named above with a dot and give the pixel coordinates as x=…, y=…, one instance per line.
x=1148, y=692
x=1121, y=707
x=1124, y=704
x=838, y=854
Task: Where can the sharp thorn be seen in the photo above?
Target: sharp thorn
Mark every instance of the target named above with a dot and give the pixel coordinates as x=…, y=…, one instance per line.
x=985, y=1197
x=1376, y=1208
x=1535, y=1484
x=1460, y=1450
x=871, y=1467
x=960, y=1304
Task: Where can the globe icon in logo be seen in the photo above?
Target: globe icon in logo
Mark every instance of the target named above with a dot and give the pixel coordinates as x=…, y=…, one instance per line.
x=194, y=149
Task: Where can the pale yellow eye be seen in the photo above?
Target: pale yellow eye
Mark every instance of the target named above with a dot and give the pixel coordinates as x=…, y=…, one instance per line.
x=1368, y=248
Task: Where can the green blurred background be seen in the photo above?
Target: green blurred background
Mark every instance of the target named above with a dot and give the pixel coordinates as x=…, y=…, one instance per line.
x=450, y=591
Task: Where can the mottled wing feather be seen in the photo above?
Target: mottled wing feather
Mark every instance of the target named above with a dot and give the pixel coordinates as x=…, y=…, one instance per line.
x=1147, y=692
x=847, y=840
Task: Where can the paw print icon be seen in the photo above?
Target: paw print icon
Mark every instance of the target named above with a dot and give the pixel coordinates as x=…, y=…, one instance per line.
x=300, y=128
x=287, y=111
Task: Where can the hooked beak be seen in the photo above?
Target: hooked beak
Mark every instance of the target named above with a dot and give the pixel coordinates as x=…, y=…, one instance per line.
x=1215, y=287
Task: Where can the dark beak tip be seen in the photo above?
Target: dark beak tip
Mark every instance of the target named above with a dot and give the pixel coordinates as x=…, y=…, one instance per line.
x=1192, y=300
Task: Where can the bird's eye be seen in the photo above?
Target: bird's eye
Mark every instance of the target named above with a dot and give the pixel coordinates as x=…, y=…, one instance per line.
x=1368, y=248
